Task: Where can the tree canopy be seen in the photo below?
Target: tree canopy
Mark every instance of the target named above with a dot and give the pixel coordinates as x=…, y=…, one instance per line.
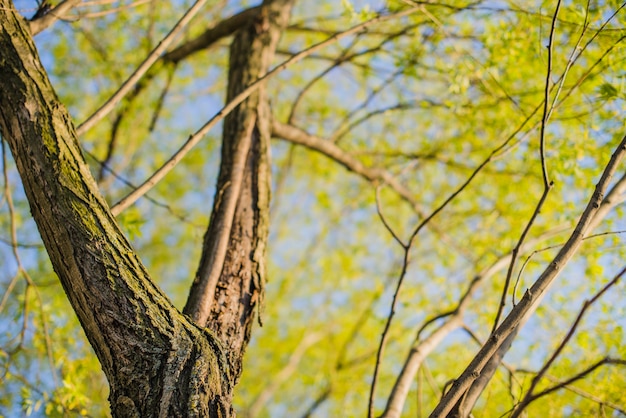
x=446, y=182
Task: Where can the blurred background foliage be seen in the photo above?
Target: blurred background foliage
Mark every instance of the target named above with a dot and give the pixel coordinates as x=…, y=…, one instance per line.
x=428, y=98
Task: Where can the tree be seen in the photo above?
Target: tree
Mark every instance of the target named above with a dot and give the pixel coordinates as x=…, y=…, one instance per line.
x=474, y=134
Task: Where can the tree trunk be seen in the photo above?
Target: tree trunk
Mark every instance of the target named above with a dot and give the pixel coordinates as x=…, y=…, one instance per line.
x=157, y=362
x=230, y=280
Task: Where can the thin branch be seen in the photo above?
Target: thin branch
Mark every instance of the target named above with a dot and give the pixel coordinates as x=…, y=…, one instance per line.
x=546, y=101
x=196, y=137
x=161, y=99
x=156, y=53
x=530, y=396
x=584, y=394
x=102, y=13
x=379, y=210
x=385, y=334
x=531, y=255
x=578, y=376
x=547, y=184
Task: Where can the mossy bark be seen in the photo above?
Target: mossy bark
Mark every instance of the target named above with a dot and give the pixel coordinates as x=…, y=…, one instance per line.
x=158, y=363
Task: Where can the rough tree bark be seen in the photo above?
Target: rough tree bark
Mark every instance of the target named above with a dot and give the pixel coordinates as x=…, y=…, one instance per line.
x=230, y=279
x=157, y=361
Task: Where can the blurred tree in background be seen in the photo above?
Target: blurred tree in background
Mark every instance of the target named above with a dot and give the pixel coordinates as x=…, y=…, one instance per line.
x=442, y=173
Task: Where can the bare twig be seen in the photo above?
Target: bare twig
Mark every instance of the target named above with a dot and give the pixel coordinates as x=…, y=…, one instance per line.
x=567, y=382
x=385, y=334
x=113, y=10
x=379, y=210
x=546, y=101
x=582, y=393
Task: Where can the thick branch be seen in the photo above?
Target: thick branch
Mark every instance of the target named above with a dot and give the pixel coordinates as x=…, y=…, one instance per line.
x=223, y=29
x=40, y=24
x=533, y=296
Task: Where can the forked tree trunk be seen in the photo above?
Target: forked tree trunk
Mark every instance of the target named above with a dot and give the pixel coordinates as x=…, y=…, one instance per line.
x=157, y=362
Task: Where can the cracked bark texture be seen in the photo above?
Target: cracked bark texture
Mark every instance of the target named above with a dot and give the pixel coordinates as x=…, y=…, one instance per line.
x=157, y=362
x=229, y=283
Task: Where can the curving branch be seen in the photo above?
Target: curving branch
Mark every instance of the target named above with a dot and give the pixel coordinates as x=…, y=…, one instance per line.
x=375, y=175
x=578, y=376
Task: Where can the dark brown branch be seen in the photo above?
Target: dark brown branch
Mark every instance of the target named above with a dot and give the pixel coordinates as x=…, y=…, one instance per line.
x=224, y=28
x=578, y=376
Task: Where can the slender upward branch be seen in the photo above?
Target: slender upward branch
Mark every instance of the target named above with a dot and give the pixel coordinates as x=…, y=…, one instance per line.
x=546, y=101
